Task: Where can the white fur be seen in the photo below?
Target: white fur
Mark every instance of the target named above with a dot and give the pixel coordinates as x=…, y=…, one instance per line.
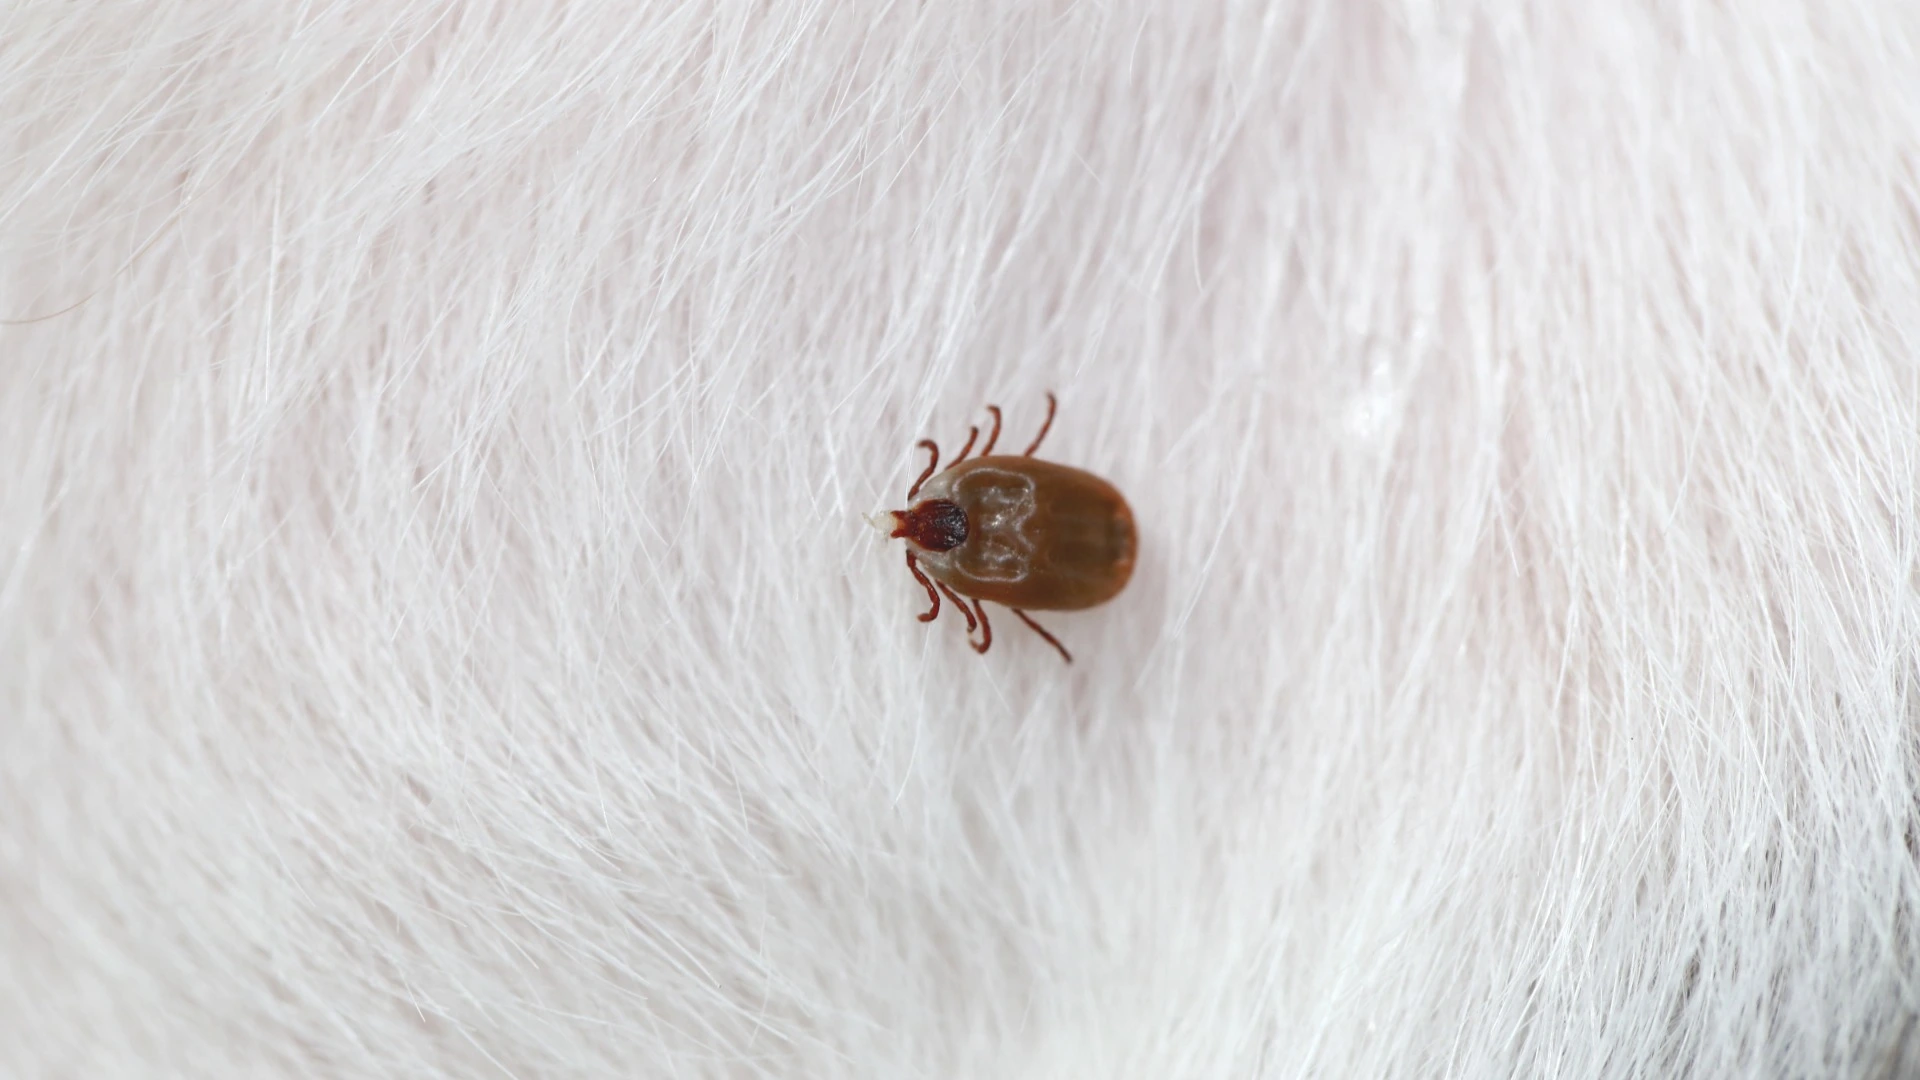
x=438, y=635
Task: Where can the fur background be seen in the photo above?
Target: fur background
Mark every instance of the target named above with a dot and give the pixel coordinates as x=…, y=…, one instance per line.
x=438, y=637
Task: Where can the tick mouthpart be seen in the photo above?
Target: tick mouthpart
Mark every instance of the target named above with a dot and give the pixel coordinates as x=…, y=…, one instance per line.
x=933, y=525
x=885, y=524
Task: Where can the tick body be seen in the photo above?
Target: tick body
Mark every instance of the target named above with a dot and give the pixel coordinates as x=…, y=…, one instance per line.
x=1030, y=535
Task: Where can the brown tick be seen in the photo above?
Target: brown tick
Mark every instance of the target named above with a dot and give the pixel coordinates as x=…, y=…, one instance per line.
x=1027, y=534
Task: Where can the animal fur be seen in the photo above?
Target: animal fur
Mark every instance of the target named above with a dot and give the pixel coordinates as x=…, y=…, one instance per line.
x=438, y=636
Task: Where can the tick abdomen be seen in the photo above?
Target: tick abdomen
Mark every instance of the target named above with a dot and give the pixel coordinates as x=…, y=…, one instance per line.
x=1040, y=536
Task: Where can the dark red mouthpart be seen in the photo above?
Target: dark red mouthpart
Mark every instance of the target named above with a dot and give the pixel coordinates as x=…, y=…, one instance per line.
x=935, y=525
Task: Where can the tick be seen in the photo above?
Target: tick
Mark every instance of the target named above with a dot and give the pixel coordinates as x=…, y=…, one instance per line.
x=1027, y=534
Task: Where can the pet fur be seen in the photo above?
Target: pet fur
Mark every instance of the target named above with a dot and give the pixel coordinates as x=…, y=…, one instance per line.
x=439, y=638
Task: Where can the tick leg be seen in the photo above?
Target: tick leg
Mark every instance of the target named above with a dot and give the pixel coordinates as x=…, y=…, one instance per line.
x=931, y=595
x=961, y=604
x=1051, y=406
x=972, y=434
x=995, y=437
x=934, y=449
x=1051, y=640
x=986, y=629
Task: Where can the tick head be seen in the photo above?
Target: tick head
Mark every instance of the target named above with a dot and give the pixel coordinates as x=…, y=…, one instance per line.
x=931, y=525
